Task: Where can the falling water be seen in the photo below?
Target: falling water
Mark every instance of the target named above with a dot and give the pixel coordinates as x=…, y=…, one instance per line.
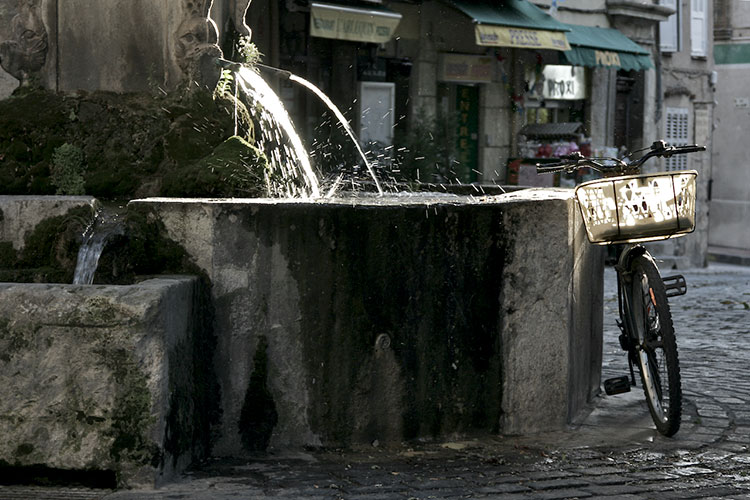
x=257, y=88
x=97, y=234
x=323, y=97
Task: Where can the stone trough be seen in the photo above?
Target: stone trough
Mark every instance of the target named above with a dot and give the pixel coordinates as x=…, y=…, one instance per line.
x=99, y=378
x=336, y=323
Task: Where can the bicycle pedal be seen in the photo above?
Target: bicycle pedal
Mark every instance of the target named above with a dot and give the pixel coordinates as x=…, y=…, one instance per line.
x=675, y=285
x=617, y=385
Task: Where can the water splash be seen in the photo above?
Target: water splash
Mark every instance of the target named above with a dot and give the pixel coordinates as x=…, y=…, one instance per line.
x=283, y=159
x=104, y=226
x=342, y=119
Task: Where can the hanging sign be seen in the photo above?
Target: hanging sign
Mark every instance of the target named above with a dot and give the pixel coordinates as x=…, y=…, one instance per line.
x=558, y=82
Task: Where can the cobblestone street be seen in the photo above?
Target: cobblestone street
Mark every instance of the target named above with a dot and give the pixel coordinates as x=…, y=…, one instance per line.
x=614, y=453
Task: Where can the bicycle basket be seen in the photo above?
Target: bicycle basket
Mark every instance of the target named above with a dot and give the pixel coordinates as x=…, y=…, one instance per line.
x=635, y=208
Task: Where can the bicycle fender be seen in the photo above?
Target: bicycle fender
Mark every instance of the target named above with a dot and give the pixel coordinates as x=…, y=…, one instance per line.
x=628, y=254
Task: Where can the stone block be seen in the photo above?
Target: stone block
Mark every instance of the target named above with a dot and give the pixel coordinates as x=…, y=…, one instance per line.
x=20, y=214
x=343, y=322
x=99, y=378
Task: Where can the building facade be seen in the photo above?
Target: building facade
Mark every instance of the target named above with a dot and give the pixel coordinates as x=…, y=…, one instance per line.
x=502, y=84
x=684, y=115
x=460, y=91
x=730, y=199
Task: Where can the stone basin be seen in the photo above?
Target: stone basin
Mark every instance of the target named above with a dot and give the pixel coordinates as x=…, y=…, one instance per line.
x=336, y=323
x=394, y=318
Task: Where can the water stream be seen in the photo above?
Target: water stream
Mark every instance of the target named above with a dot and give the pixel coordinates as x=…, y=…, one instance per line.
x=104, y=226
x=283, y=159
x=323, y=97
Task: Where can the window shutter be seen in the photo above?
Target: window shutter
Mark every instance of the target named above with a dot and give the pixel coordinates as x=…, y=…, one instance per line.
x=698, y=27
x=677, y=134
x=669, y=30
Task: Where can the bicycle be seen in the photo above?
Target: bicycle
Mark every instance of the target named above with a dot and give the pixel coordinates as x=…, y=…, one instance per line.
x=631, y=208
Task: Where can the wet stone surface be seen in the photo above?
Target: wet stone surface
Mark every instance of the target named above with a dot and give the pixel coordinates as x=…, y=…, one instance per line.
x=614, y=453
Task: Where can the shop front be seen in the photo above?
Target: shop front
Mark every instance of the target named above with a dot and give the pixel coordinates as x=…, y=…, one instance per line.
x=460, y=81
x=368, y=26
x=567, y=103
x=480, y=90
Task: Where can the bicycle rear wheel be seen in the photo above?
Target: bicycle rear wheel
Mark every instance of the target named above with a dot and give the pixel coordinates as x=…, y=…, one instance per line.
x=656, y=348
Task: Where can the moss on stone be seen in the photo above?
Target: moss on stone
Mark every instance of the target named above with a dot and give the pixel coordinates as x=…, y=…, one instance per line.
x=50, y=251
x=234, y=168
x=143, y=249
x=8, y=256
x=131, y=414
x=131, y=142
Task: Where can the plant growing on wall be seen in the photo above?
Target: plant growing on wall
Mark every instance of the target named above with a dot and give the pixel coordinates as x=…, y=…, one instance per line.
x=226, y=87
x=67, y=170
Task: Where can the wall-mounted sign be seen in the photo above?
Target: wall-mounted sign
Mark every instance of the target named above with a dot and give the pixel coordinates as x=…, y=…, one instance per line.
x=558, y=82
x=354, y=24
x=371, y=70
x=490, y=35
x=465, y=68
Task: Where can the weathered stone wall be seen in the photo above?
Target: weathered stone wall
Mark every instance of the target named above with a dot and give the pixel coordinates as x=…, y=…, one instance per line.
x=118, y=45
x=390, y=319
x=552, y=336
x=19, y=215
x=99, y=377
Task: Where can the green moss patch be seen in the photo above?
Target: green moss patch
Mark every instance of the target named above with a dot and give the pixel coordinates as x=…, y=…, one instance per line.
x=234, y=168
x=132, y=145
x=50, y=252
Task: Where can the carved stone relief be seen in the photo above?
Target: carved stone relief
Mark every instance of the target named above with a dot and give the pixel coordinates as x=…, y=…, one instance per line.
x=23, y=55
x=196, y=46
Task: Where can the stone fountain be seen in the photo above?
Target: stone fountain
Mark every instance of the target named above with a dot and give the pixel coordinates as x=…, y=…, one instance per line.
x=303, y=323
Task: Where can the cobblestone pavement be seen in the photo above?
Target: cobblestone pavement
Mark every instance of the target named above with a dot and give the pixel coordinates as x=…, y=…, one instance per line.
x=613, y=453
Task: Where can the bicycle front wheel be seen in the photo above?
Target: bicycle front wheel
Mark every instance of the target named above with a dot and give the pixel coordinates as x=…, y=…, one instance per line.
x=656, y=348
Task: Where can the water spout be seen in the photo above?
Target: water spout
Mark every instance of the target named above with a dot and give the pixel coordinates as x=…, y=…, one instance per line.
x=98, y=233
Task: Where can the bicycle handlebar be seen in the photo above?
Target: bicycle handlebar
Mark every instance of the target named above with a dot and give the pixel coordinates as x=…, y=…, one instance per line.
x=574, y=161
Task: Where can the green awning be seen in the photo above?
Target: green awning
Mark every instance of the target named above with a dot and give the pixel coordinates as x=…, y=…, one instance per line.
x=514, y=23
x=605, y=47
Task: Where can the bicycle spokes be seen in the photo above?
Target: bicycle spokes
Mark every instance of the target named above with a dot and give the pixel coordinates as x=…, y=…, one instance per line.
x=650, y=350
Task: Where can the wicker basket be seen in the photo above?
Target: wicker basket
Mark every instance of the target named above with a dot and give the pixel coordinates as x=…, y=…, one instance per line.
x=636, y=208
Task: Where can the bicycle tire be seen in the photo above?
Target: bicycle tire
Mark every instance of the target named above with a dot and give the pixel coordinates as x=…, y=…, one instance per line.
x=655, y=350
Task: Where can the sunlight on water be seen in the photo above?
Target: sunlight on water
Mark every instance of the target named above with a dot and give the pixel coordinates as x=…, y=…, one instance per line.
x=323, y=97
x=283, y=159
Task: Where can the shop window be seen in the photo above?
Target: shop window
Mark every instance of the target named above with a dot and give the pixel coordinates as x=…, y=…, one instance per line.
x=669, y=30
x=677, y=134
x=698, y=28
